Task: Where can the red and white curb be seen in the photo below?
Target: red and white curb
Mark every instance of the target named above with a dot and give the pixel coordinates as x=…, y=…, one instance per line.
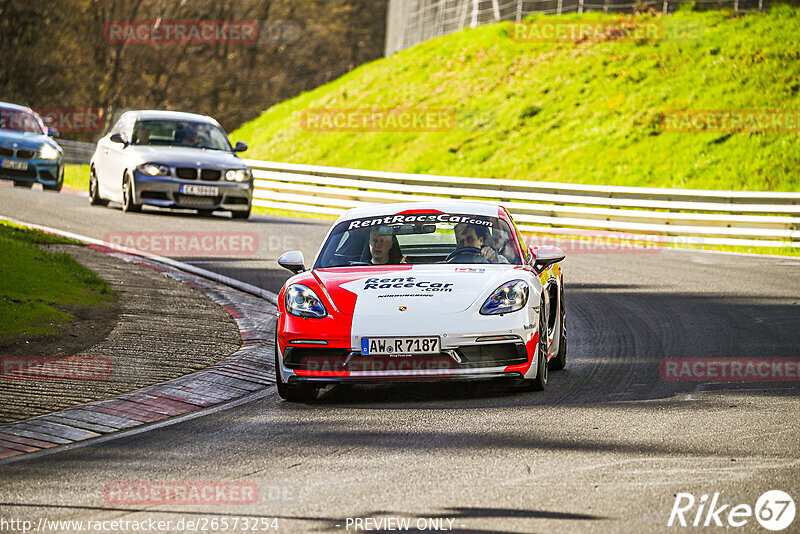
x=238, y=378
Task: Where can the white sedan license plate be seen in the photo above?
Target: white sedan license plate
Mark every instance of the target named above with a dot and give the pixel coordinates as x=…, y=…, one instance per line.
x=382, y=346
x=200, y=190
x=16, y=165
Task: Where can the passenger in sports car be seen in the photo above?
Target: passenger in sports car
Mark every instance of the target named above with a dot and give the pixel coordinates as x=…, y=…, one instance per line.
x=471, y=235
x=384, y=249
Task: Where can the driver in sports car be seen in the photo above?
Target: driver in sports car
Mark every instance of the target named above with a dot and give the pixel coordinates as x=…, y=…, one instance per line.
x=472, y=235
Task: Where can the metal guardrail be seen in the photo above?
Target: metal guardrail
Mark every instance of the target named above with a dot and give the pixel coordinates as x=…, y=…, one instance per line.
x=75, y=152
x=676, y=216
x=734, y=218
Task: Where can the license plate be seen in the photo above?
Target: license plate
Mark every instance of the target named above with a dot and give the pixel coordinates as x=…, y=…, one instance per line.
x=16, y=165
x=200, y=190
x=382, y=346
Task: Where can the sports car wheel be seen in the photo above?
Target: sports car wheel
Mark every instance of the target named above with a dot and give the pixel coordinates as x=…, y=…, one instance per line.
x=293, y=392
x=559, y=361
x=94, y=192
x=540, y=382
x=127, y=195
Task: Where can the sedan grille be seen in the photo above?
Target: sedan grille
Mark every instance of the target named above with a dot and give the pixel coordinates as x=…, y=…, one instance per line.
x=25, y=153
x=29, y=173
x=186, y=173
x=197, y=201
x=210, y=174
x=7, y=152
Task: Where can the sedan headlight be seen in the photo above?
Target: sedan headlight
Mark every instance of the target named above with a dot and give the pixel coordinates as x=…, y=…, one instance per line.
x=509, y=297
x=48, y=152
x=237, y=175
x=303, y=302
x=154, y=169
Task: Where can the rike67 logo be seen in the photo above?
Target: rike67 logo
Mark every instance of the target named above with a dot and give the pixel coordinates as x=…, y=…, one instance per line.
x=774, y=510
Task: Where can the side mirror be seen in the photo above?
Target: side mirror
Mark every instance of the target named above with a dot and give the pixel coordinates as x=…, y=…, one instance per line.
x=547, y=255
x=240, y=146
x=52, y=132
x=117, y=138
x=292, y=260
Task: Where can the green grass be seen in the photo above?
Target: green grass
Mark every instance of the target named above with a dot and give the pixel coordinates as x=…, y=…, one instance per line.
x=585, y=113
x=37, y=286
x=76, y=177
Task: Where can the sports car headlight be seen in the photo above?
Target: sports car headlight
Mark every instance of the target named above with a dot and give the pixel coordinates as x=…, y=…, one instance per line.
x=237, y=175
x=48, y=152
x=509, y=297
x=303, y=302
x=154, y=169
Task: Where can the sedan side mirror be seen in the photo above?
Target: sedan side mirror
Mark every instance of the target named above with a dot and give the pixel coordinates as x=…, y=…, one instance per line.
x=292, y=260
x=240, y=146
x=117, y=138
x=52, y=132
x=547, y=255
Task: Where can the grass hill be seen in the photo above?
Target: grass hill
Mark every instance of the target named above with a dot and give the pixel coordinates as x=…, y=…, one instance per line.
x=588, y=110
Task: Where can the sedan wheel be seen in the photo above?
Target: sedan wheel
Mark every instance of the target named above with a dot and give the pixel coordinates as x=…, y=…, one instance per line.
x=94, y=191
x=127, y=196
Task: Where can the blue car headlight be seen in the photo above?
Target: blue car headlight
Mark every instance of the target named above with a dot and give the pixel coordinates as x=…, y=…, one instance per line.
x=509, y=297
x=48, y=152
x=154, y=169
x=303, y=302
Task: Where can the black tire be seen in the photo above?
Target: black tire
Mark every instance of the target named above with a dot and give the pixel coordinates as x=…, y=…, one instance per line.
x=57, y=187
x=242, y=214
x=205, y=213
x=293, y=392
x=94, y=191
x=24, y=185
x=560, y=360
x=127, y=195
x=540, y=382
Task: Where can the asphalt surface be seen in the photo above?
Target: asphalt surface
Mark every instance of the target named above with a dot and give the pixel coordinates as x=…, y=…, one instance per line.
x=606, y=448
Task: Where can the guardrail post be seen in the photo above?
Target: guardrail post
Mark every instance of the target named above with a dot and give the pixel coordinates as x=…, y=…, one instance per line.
x=518, y=17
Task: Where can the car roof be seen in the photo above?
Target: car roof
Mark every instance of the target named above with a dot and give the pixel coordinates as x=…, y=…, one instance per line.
x=16, y=107
x=155, y=114
x=473, y=207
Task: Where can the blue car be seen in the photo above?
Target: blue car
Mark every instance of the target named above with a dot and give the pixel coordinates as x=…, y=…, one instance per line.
x=27, y=153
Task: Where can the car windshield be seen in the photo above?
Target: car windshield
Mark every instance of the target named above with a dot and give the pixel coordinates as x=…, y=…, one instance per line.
x=418, y=239
x=180, y=133
x=20, y=121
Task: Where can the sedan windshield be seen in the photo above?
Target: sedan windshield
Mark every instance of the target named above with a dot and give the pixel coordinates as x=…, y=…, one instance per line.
x=20, y=121
x=418, y=239
x=180, y=133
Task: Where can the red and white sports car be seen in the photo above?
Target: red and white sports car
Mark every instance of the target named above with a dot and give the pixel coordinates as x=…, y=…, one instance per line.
x=443, y=290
